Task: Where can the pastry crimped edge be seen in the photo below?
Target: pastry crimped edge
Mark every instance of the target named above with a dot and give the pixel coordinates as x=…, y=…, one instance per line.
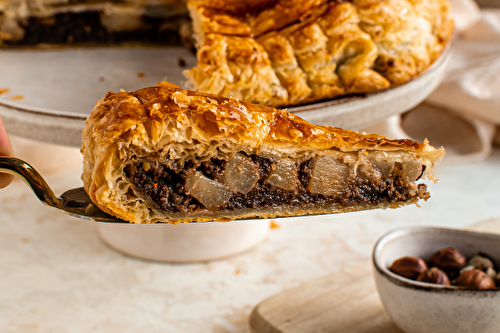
x=166, y=123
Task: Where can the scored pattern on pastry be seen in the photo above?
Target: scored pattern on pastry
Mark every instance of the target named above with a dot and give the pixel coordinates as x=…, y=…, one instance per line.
x=289, y=52
x=164, y=154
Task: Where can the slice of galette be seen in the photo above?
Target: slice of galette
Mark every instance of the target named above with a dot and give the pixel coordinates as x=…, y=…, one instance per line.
x=164, y=154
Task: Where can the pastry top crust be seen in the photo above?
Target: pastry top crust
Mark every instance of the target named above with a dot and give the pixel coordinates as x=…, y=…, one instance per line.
x=260, y=16
x=156, y=113
x=171, y=126
x=311, y=50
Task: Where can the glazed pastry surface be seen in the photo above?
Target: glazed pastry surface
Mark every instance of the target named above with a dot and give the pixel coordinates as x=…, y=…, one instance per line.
x=164, y=154
x=288, y=52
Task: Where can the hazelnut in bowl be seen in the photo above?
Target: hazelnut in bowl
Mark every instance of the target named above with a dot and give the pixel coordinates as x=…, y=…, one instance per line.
x=439, y=279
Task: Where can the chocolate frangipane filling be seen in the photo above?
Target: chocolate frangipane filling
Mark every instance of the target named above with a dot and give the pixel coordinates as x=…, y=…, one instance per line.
x=92, y=22
x=258, y=182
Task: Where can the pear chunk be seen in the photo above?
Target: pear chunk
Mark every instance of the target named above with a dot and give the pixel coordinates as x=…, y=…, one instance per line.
x=329, y=176
x=284, y=174
x=241, y=174
x=208, y=192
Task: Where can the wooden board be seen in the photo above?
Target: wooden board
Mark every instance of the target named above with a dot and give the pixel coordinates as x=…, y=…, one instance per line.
x=341, y=302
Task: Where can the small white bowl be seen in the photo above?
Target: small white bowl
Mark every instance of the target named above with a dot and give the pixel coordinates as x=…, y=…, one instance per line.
x=184, y=242
x=421, y=307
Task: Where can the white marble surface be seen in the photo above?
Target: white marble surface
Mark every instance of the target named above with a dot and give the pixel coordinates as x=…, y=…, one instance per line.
x=57, y=276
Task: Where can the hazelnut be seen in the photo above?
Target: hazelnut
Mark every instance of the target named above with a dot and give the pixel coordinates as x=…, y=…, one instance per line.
x=434, y=275
x=491, y=273
x=475, y=279
x=481, y=261
x=450, y=260
x=408, y=267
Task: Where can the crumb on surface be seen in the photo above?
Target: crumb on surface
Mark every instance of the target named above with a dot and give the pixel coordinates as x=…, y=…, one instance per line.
x=141, y=75
x=274, y=225
x=17, y=97
x=4, y=90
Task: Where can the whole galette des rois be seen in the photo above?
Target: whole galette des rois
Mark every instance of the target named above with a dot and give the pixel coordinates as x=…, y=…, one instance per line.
x=164, y=154
x=289, y=52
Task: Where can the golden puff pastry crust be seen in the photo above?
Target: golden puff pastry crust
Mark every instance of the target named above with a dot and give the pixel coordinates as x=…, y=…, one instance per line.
x=288, y=52
x=164, y=154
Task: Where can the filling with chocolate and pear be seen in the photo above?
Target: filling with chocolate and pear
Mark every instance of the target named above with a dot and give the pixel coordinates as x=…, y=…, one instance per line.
x=245, y=181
